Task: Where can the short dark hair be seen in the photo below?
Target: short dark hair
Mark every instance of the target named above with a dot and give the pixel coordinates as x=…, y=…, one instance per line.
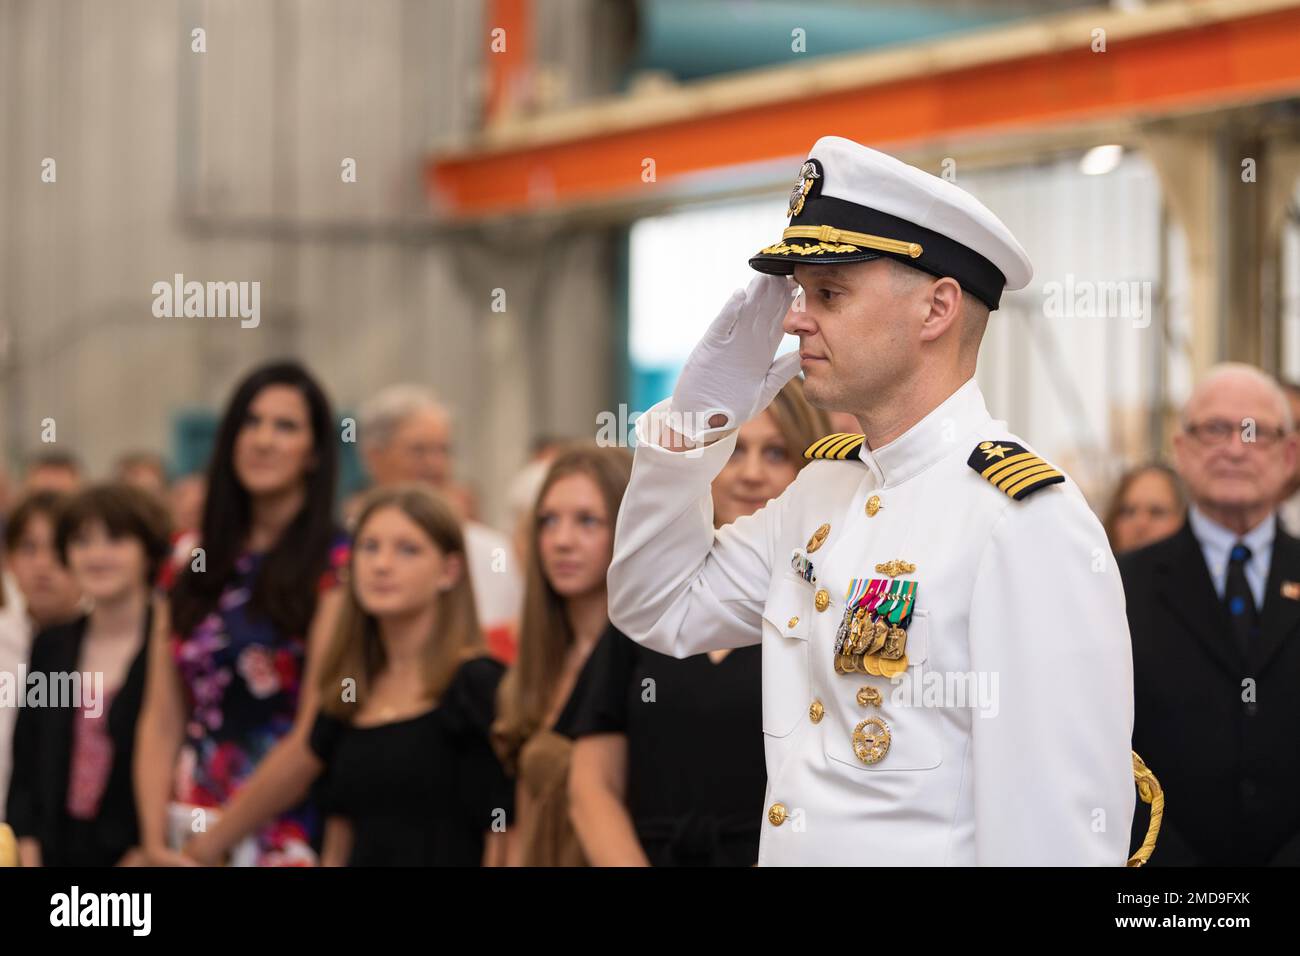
x=126, y=511
x=140, y=459
x=55, y=459
x=38, y=504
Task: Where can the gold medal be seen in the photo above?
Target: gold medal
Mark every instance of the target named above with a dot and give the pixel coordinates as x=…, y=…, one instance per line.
x=879, y=631
x=871, y=740
x=871, y=665
x=895, y=644
x=892, y=669
x=858, y=631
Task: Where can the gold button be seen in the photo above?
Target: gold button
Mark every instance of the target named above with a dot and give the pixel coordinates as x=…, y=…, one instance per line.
x=818, y=537
x=822, y=599
x=873, y=505
x=791, y=623
x=816, y=711
x=868, y=696
x=776, y=814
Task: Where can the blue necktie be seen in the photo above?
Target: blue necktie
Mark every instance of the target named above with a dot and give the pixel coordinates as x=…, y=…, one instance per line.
x=1238, y=600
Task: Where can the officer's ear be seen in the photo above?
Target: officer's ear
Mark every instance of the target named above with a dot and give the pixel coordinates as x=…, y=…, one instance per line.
x=943, y=308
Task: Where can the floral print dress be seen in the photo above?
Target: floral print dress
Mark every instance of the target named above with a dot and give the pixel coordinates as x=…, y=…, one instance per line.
x=242, y=678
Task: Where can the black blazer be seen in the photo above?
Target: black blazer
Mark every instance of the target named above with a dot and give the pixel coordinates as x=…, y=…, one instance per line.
x=38, y=786
x=1229, y=764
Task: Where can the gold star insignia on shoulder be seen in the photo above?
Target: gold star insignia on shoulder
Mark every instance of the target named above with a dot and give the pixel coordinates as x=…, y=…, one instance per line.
x=1012, y=468
x=837, y=447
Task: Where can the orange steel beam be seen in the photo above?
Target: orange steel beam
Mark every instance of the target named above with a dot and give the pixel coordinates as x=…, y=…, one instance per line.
x=1233, y=60
x=508, y=69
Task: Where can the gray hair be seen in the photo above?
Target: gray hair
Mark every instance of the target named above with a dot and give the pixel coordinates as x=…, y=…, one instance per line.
x=1241, y=370
x=383, y=413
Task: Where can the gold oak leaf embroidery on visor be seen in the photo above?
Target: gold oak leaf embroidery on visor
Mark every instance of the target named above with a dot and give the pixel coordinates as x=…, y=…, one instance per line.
x=814, y=249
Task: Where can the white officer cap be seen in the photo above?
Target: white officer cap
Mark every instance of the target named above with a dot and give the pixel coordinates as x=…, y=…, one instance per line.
x=852, y=203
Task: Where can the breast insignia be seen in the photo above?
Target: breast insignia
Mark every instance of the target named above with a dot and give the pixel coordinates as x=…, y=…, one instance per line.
x=1012, y=469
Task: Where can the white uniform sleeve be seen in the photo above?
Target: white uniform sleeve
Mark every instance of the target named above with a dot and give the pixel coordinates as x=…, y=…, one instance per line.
x=676, y=585
x=1052, y=772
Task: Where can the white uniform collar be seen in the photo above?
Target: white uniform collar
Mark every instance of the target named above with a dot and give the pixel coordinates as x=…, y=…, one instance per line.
x=930, y=439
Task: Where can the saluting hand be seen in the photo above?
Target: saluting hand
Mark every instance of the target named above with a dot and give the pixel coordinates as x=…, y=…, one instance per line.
x=730, y=375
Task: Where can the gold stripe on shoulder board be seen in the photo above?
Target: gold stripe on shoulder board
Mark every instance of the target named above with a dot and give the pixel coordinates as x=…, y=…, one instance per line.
x=838, y=447
x=1012, y=468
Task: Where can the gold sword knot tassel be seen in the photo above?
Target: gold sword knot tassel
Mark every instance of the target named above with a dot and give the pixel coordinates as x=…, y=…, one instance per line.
x=1150, y=791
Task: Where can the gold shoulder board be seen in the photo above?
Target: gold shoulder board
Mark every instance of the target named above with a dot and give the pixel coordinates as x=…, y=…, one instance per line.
x=1011, y=468
x=838, y=447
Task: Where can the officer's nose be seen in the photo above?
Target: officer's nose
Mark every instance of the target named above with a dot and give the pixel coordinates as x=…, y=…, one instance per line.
x=797, y=320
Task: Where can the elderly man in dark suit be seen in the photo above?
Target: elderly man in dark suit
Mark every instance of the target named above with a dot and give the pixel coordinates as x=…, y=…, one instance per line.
x=1214, y=613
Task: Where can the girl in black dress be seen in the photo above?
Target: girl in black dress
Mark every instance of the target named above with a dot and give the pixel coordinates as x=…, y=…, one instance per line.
x=70, y=799
x=668, y=768
x=407, y=699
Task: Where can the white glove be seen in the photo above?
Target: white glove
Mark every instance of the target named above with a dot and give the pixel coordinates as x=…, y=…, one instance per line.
x=731, y=370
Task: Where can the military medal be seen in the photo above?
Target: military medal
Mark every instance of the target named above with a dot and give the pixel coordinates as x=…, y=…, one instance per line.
x=801, y=566
x=872, y=635
x=871, y=740
x=895, y=642
x=890, y=668
x=856, y=589
x=881, y=645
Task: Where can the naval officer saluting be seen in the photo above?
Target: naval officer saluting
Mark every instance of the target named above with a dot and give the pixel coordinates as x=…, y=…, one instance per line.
x=947, y=678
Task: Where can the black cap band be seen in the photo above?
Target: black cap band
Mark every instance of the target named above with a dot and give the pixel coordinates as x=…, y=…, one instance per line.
x=940, y=255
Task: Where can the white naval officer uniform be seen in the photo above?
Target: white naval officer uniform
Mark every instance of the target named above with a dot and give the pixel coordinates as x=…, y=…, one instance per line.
x=1023, y=595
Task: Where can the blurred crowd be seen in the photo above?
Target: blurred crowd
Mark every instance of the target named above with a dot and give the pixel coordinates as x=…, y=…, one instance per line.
x=269, y=673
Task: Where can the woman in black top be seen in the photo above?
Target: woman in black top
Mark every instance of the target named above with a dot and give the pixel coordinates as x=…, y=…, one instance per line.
x=668, y=769
x=70, y=799
x=418, y=791
x=409, y=777
x=694, y=745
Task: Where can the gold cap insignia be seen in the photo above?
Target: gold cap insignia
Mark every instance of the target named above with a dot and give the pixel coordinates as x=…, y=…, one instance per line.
x=807, y=173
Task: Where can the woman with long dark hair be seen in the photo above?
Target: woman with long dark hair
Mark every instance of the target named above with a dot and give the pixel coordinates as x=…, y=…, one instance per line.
x=232, y=671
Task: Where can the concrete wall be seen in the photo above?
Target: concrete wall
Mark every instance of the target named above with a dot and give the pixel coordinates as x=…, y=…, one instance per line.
x=225, y=166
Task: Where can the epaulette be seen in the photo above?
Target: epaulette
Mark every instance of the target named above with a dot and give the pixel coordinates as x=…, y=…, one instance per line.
x=1012, y=469
x=837, y=447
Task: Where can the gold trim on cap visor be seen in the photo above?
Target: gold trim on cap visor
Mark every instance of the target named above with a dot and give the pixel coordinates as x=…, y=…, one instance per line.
x=831, y=234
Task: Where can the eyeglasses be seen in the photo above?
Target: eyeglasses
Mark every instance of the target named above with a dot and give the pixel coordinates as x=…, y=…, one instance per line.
x=1217, y=431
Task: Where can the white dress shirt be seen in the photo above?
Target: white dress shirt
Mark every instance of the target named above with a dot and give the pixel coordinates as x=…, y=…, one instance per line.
x=1217, y=542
